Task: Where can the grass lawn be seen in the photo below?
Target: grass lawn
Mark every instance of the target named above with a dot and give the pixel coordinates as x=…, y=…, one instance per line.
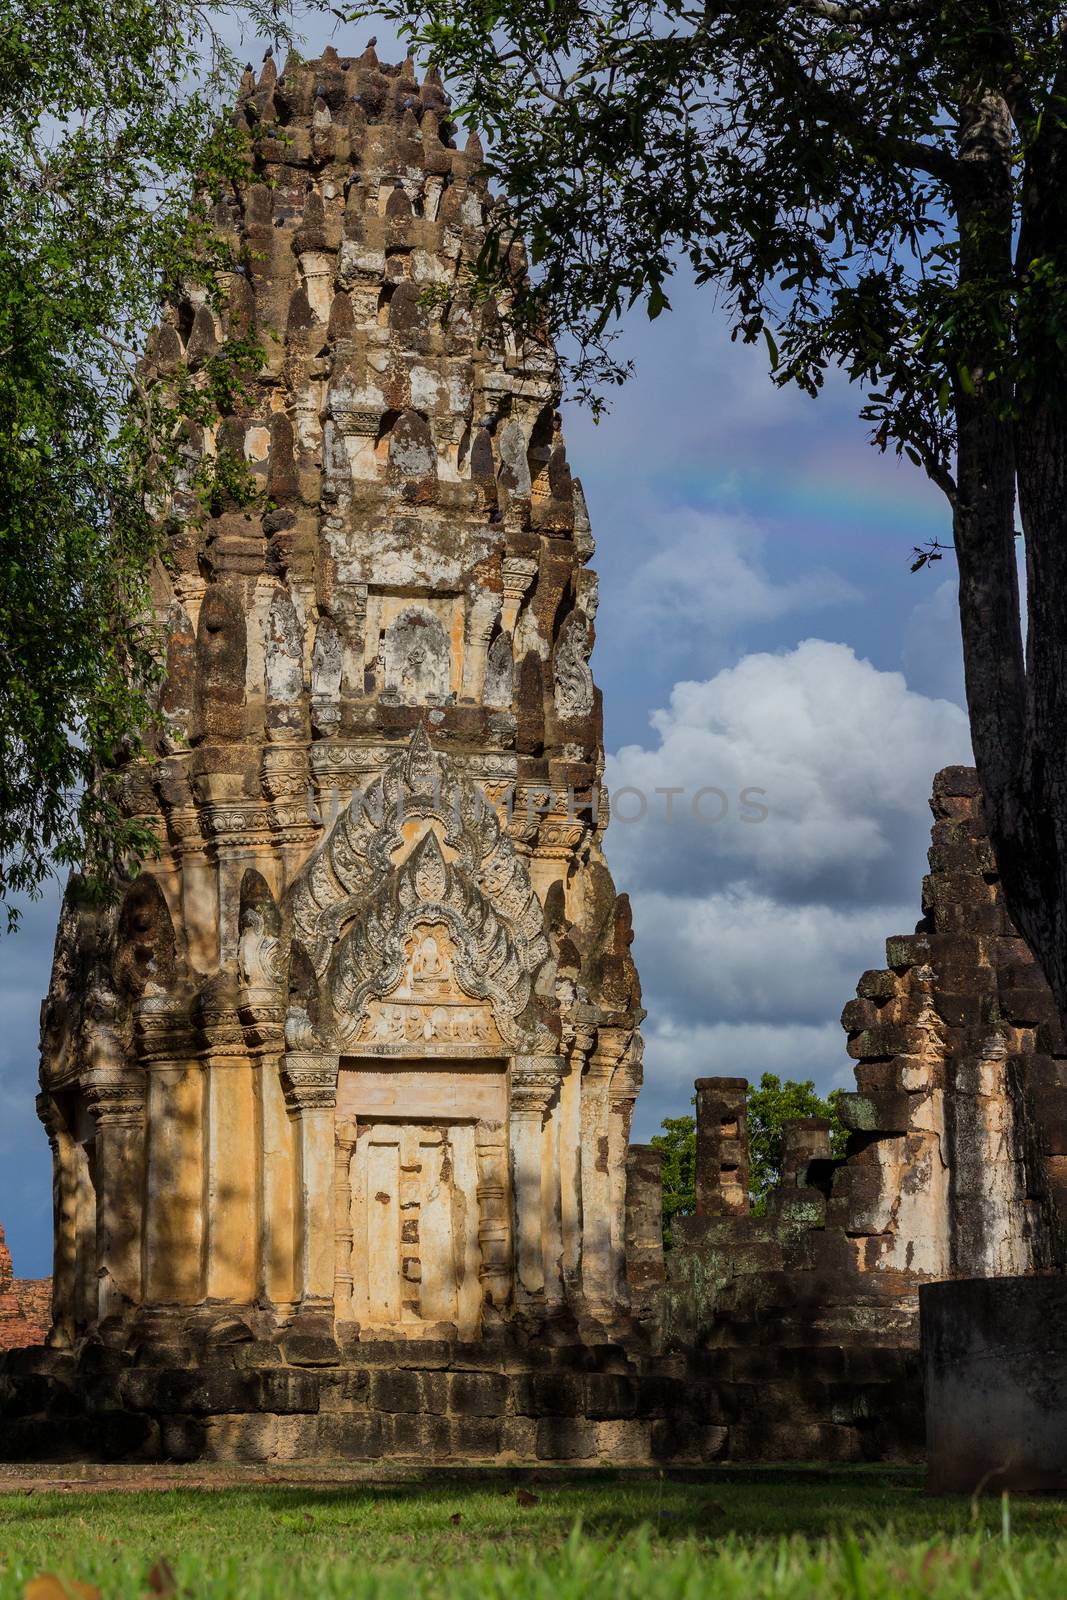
x=744, y=1533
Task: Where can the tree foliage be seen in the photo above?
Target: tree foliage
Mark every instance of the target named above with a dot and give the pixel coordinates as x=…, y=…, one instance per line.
x=112, y=146
x=678, y=1143
x=873, y=186
x=769, y=1105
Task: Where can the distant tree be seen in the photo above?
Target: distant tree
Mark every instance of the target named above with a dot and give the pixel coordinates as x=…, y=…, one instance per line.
x=678, y=1142
x=769, y=1105
x=112, y=148
x=878, y=186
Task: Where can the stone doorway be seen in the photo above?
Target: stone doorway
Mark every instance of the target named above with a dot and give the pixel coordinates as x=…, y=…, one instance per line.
x=422, y=1183
x=415, y=1258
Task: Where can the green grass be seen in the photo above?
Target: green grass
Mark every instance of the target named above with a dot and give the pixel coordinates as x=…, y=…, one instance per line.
x=735, y=1534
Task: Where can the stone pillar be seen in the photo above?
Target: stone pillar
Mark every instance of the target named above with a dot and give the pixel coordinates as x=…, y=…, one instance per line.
x=481, y=620
x=174, y=1185
x=622, y=1094
x=231, y=1156
x=85, y=1270
x=347, y=1132
x=518, y=573
x=600, y=1265
x=63, y=1215
x=199, y=891
x=644, y=1217
x=494, y=1214
x=577, y=1042
x=551, y=1209
x=277, y=1254
x=534, y=1084
x=804, y=1139
x=722, y=1147
x=116, y=1097
x=311, y=1087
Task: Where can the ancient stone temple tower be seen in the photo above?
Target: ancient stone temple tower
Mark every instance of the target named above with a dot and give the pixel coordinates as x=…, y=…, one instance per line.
x=358, y=1053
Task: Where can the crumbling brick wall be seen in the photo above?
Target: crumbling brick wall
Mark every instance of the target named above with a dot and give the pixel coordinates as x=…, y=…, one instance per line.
x=955, y=1167
x=25, y=1305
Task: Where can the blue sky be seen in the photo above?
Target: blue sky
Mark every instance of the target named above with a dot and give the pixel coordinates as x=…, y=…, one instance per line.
x=758, y=628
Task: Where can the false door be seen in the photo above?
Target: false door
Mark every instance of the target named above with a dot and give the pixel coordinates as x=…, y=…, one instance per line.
x=415, y=1253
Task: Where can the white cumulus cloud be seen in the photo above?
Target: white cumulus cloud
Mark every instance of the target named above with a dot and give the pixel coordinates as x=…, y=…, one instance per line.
x=751, y=932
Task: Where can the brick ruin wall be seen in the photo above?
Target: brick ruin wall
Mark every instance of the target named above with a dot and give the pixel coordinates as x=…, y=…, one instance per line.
x=25, y=1305
x=955, y=1167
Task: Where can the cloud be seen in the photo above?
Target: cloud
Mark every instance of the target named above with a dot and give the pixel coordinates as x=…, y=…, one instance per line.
x=676, y=1055
x=843, y=753
x=932, y=651
x=743, y=957
x=707, y=572
x=750, y=934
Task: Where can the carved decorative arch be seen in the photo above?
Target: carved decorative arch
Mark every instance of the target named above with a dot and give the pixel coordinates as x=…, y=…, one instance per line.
x=490, y=962
x=462, y=872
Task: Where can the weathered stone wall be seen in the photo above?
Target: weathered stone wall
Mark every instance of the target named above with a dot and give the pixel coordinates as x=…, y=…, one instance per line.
x=954, y=1168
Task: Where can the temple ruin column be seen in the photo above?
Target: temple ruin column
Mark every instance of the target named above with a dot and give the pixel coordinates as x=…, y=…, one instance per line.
x=599, y=1262
x=722, y=1146
x=481, y=620
x=644, y=1217
x=622, y=1095
x=311, y=1086
x=231, y=1160
x=64, y=1213
x=116, y=1097
x=534, y=1085
x=172, y=1269
x=347, y=1132
x=174, y=1186
x=494, y=1214
x=577, y=1041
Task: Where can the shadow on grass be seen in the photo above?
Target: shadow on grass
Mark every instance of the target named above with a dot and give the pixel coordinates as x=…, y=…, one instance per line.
x=446, y=1515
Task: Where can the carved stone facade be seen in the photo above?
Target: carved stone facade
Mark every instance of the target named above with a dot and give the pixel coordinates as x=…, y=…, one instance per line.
x=357, y=1057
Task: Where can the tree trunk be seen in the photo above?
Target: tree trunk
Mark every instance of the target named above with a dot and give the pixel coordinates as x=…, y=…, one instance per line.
x=1037, y=894
x=1018, y=712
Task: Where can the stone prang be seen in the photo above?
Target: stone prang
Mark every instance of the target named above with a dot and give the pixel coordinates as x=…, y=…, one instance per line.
x=358, y=1055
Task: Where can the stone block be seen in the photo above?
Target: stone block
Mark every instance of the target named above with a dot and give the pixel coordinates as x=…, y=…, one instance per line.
x=659, y=1395
x=878, y=984
x=247, y=1437
x=182, y=1438
x=345, y=1437
x=682, y=1438
x=396, y=1391
x=311, y=1350
x=343, y=1390
x=565, y=1439
x=477, y=1438
x=552, y=1394
x=283, y=1390
x=610, y=1395
x=995, y=1379
x=478, y=1394
x=416, y=1435
x=1049, y=1109
x=624, y=1442
x=518, y=1438
x=875, y=1113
